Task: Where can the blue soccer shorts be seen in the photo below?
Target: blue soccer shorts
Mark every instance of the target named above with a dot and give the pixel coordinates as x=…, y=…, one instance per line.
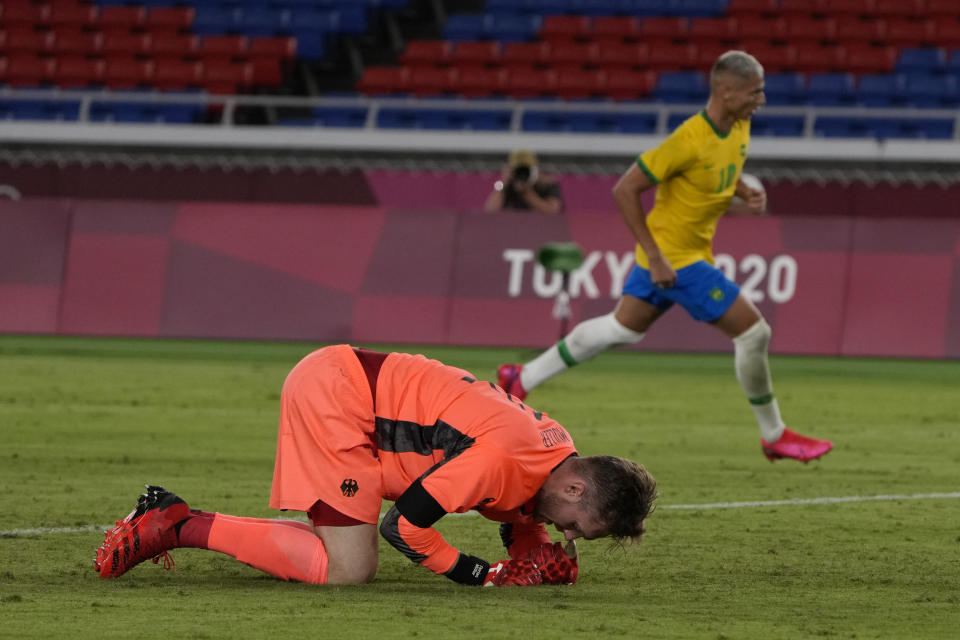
x=701, y=289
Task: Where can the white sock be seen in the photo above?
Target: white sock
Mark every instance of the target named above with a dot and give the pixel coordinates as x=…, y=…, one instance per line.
x=587, y=339
x=753, y=374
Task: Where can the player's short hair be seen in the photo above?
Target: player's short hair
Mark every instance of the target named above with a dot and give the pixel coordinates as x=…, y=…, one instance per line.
x=737, y=63
x=621, y=494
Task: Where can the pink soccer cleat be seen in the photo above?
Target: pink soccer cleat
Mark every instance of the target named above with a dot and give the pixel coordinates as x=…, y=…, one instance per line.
x=148, y=532
x=508, y=377
x=793, y=445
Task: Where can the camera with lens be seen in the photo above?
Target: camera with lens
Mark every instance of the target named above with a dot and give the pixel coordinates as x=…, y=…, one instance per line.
x=524, y=174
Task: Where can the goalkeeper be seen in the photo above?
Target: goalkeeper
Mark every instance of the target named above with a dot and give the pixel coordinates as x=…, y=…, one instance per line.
x=357, y=427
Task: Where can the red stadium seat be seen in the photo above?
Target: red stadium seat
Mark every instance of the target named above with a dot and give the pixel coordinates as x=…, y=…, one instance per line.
x=476, y=53
x=169, y=18
x=77, y=71
x=760, y=28
x=223, y=46
x=820, y=59
x=23, y=13
x=800, y=29
x=432, y=81
x=173, y=45
x=863, y=58
x=623, y=56
x=564, y=54
x=663, y=28
x=616, y=28
x=855, y=30
x=942, y=9
x=837, y=8
x=120, y=18
x=224, y=76
x=947, y=34
x=126, y=72
x=675, y=57
x=480, y=82
x=707, y=54
x=73, y=15
x=525, y=54
x=559, y=27
x=577, y=83
x=902, y=32
x=712, y=29
x=75, y=41
x=774, y=58
x=630, y=85
x=382, y=80
x=27, y=70
x=171, y=74
x=24, y=39
x=531, y=83
x=743, y=8
x=125, y=42
x=278, y=47
x=901, y=8
x=266, y=72
x=793, y=8
x=427, y=52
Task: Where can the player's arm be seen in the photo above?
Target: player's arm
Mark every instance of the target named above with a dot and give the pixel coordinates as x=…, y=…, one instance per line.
x=626, y=193
x=754, y=199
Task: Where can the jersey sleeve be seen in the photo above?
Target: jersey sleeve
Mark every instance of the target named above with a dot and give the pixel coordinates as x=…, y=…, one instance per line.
x=673, y=156
x=457, y=484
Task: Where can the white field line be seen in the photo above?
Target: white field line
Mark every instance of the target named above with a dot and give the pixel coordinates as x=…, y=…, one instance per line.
x=39, y=531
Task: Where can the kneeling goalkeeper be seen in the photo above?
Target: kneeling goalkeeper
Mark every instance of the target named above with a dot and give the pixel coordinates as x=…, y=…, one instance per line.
x=358, y=426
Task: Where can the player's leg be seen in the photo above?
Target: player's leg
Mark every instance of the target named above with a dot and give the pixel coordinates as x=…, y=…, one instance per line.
x=638, y=308
x=751, y=334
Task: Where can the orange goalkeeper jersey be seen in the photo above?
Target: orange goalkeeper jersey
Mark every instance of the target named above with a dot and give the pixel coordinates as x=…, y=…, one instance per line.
x=447, y=443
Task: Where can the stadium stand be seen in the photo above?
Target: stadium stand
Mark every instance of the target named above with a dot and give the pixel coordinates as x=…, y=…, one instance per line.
x=902, y=54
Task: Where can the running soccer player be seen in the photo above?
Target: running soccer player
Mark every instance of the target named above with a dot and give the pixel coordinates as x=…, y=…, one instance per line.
x=357, y=427
x=697, y=172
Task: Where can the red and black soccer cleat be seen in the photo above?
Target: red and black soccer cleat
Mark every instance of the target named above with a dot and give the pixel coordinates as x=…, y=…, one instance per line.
x=793, y=445
x=148, y=532
x=508, y=377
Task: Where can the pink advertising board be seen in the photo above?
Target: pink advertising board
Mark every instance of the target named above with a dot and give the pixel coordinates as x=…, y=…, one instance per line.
x=832, y=285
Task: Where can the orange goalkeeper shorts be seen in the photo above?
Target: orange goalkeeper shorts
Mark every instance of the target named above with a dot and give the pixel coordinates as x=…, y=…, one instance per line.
x=326, y=446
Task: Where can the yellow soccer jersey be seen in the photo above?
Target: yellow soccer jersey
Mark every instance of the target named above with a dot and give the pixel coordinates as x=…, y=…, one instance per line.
x=696, y=171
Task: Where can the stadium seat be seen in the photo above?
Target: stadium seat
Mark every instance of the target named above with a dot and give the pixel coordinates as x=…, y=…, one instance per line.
x=225, y=76
x=947, y=33
x=476, y=53
x=807, y=30
x=759, y=27
x=743, y=8
x=531, y=83
x=173, y=45
x=637, y=123
x=39, y=109
x=933, y=92
x=352, y=117
x=126, y=72
x=921, y=61
x=23, y=13
x=785, y=89
x=546, y=121
x=577, y=84
x=819, y=59
x=481, y=83
x=565, y=54
x=27, y=70
x=261, y=21
x=615, y=28
x=465, y=27
x=664, y=57
x=830, y=89
x=942, y=9
x=616, y=56
x=169, y=74
x=880, y=90
x=903, y=32
x=525, y=54
x=844, y=7
x=630, y=85
x=774, y=58
x=71, y=41
x=840, y=127
x=73, y=15
x=384, y=80
x=212, y=20
x=593, y=123
x=275, y=47
x=512, y=28
x=953, y=63
x=228, y=46
x=561, y=27
x=765, y=125
x=866, y=58
x=712, y=30
x=121, y=42
x=23, y=39
x=77, y=71
x=681, y=87
x=432, y=81
x=121, y=18
x=169, y=18
x=662, y=29
x=853, y=30
x=899, y=8
x=426, y=52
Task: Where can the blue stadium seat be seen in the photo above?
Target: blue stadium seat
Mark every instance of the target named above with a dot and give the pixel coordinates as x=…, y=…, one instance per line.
x=830, y=89
x=921, y=61
x=46, y=110
x=881, y=90
x=512, y=28
x=637, y=123
x=550, y=121
x=593, y=123
x=953, y=62
x=840, y=127
x=465, y=26
x=210, y=20
x=933, y=129
x=486, y=120
x=681, y=87
x=764, y=125
x=785, y=89
x=258, y=21
x=932, y=92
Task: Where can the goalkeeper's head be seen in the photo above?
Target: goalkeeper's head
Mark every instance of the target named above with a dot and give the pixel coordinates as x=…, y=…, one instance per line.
x=597, y=497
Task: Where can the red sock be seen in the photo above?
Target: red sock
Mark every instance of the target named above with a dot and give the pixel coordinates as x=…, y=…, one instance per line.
x=283, y=548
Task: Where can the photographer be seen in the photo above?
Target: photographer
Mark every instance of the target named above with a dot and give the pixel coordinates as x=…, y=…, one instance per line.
x=521, y=186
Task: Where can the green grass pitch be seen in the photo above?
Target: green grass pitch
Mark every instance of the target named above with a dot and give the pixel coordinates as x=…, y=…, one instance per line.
x=85, y=423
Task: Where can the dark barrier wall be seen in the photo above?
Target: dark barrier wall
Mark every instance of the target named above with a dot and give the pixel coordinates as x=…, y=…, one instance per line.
x=828, y=285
